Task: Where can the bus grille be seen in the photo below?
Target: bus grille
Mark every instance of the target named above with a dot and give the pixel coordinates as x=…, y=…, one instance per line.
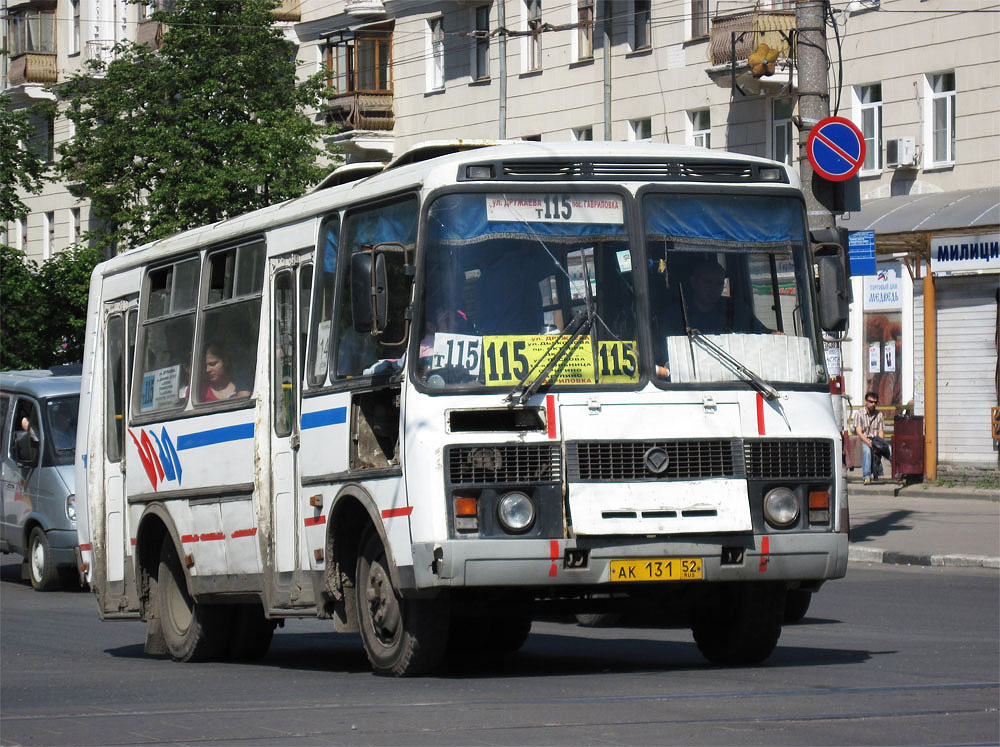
x=784, y=458
x=606, y=461
x=599, y=170
x=500, y=463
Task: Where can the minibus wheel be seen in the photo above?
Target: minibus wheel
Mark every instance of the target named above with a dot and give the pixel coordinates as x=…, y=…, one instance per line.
x=192, y=631
x=41, y=568
x=402, y=636
x=740, y=624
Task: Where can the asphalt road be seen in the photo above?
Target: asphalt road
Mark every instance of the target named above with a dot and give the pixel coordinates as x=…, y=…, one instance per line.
x=889, y=655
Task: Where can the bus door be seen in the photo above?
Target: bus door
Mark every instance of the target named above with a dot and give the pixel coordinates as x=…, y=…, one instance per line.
x=291, y=277
x=118, y=595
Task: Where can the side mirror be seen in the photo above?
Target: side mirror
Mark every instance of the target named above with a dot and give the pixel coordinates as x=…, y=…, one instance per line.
x=369, y=292
x=834, y=304
x=25, y=448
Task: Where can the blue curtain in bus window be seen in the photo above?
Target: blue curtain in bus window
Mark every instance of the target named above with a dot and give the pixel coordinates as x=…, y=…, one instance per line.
x=330, y=241
x=395, y=222
x=753, y=219
x=461, y=219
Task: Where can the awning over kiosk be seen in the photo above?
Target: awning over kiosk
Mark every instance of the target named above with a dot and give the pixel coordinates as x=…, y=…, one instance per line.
x=967, y=208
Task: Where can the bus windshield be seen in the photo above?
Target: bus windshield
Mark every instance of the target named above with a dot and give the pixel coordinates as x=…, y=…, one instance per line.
x=506, y=274
x=729, y=289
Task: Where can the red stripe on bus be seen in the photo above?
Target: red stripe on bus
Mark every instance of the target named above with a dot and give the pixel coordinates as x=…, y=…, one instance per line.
x=315, y=521
x=760, y=414
x=550, y=414
x=189, y=538
x=554, y=554
x=245, y=532
x=391, y=513
x=213, y=536
x=765, y=553
x=132, y=540
x=85, y=547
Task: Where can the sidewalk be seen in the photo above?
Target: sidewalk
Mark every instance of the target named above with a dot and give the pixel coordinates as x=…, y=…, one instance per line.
x=923, y=525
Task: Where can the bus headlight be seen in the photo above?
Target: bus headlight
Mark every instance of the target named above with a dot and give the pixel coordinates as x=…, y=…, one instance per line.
x=71, y=507
x=516, y=512
x=781, y=507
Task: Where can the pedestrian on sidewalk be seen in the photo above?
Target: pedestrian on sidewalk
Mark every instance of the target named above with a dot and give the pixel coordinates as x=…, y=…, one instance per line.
x=869, y=424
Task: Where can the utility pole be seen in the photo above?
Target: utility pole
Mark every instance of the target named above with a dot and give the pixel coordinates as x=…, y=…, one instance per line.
x=814, y=104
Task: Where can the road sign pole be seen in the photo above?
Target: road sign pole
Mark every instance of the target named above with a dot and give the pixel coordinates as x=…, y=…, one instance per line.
x=814, y=104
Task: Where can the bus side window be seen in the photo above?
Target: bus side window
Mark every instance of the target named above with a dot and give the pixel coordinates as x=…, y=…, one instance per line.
x=168, y=336
x=394, y=226
x=318, y=361
x=230, y=323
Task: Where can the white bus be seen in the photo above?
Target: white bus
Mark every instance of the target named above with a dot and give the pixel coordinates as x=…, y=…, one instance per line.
x=440, y=401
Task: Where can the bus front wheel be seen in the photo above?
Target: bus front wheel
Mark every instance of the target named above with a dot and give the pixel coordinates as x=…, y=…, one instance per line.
x=741, y=624
x=401, y=636
x=191, y=631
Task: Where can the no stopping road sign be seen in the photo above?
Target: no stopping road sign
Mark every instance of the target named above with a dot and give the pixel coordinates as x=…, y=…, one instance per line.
x=836, y=148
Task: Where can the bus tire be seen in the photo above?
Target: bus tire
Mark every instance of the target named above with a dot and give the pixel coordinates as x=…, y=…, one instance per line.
x=252, y=633
x=42, y=571
x=741, y=626
x=797, y=604
x=191, y=631
x=402, y=637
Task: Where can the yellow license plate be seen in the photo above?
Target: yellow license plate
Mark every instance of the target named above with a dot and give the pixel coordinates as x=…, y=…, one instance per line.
x=656, y=569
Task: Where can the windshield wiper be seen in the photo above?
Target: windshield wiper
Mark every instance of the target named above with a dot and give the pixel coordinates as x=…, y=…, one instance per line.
x=577, y=328
x=767, y=391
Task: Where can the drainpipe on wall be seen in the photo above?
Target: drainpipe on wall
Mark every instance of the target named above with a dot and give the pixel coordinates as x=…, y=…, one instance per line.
x=502, y=115
x=607, y=69
x=930, y=375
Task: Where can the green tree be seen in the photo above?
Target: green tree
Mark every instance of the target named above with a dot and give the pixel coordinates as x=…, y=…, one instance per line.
x=21, y=339
x=20, y=165
x=211, y=125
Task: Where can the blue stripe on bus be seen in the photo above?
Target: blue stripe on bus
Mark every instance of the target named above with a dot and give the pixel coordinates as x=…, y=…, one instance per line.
x=215, y=436
x=321, y=418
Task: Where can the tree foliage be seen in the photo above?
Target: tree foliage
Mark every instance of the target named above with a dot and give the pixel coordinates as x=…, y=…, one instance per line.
x=209, y=126
x=20, y=165
x=44, y=309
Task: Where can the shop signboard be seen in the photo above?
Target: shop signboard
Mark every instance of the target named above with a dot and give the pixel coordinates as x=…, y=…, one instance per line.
x=966, y=253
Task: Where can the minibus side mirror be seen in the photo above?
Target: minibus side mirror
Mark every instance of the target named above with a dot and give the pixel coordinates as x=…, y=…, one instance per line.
x=25, y=448
x=369, y=292
x=834, y=303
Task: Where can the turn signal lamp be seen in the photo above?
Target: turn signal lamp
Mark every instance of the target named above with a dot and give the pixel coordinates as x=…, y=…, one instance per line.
x=819, y=507
x=466, y=513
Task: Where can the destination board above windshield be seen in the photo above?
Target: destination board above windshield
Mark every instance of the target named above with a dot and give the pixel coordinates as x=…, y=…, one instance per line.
x=555, y=208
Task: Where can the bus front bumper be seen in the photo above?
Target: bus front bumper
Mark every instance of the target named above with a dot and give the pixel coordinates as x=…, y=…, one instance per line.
x=586, y=561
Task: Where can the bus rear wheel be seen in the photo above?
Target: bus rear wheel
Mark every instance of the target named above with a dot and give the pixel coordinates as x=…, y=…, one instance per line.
x=401, y=636
x=741, y=624
x=191, y=631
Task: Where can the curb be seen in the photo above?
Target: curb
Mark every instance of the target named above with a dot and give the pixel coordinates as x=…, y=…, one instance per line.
x=858, y=554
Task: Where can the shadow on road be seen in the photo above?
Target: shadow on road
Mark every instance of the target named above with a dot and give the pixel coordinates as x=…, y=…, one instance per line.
x=892, y=522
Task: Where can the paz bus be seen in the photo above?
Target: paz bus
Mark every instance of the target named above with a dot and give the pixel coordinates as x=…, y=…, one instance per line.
x=464, y=392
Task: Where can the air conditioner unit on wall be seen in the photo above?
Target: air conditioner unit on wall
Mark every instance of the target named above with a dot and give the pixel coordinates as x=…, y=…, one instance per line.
x=900, y=153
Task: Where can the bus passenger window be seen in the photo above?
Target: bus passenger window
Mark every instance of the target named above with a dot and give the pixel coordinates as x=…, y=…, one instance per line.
x=230, y=323
x=322, y=318
x=168, y=336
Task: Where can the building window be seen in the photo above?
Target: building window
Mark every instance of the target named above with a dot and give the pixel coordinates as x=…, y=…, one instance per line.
x=699, y=19
x=360, y=64
x=781, y=129
x=639, y=30
x=584, y=30
x=434, y=35
x=939, y=127
x=532, y=47
x=481, y=51
x=74, y=36
x=31, y=30
x=701, y=128
x=21, y=237
x=74, y=225
x=640, y=129
x=582, y=134
x=48, y=234
x=869, y=114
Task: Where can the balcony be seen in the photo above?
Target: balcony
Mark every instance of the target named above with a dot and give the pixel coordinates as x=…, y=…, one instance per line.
x=99, y=50
x=751, y=28
x=362, y=111
x=288, y=10
x=755, y=26
x=32, y=67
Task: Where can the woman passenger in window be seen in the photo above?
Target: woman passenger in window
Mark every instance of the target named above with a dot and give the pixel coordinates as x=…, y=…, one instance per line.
x=219, y=381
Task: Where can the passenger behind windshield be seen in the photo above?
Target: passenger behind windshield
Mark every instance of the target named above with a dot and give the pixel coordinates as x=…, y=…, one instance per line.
x=707, y=308
x=62, y=421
